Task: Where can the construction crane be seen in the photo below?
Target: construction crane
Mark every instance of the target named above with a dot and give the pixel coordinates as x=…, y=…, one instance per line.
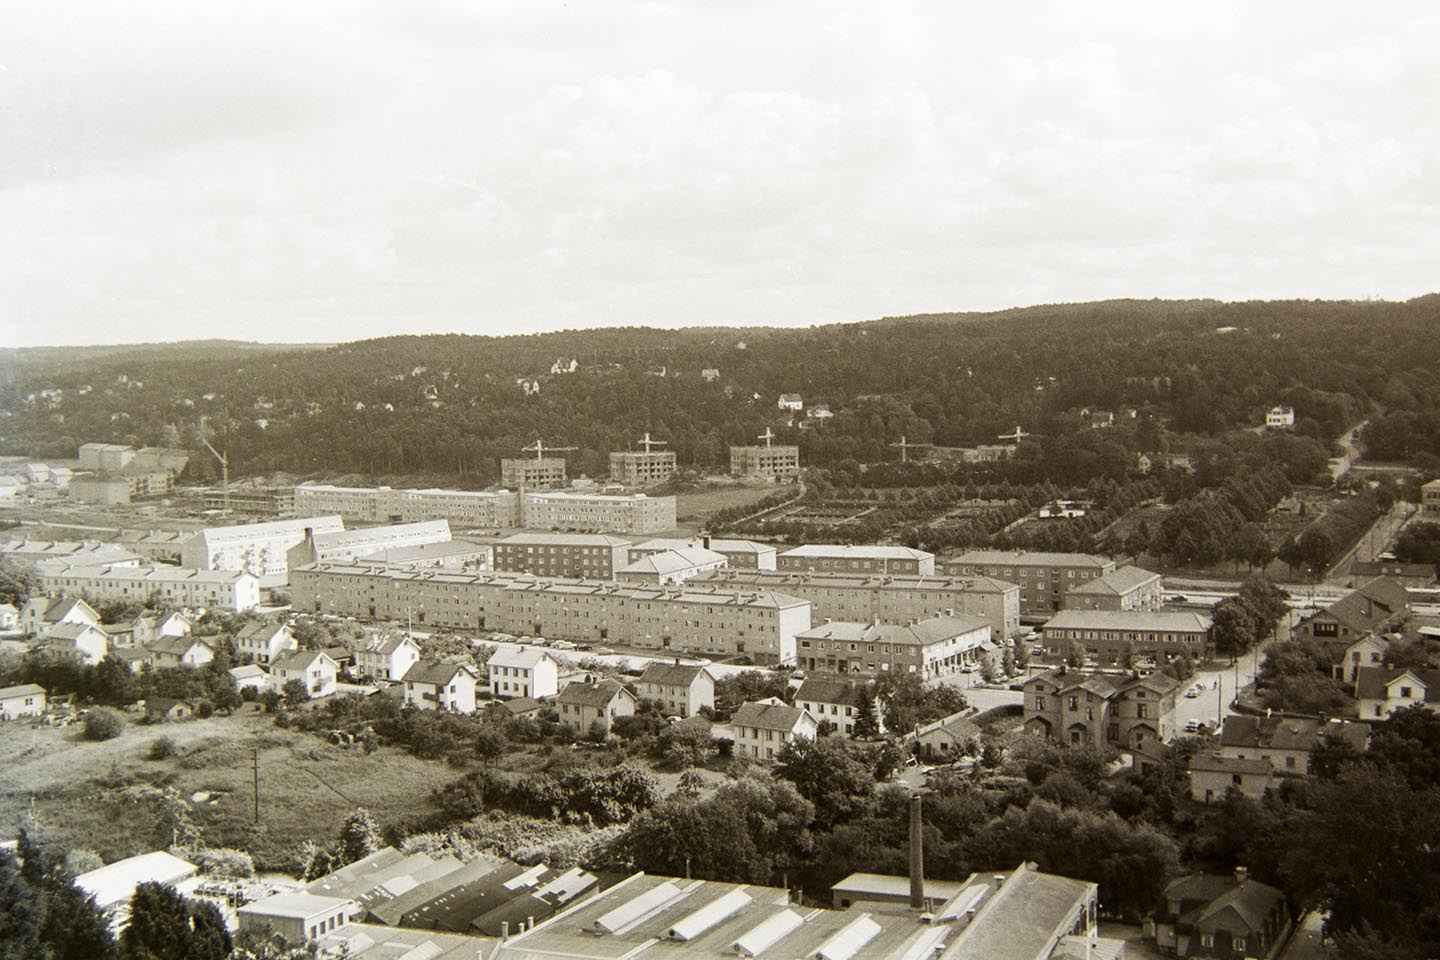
x=905, y=446
x=767, y=436
x=1016, y=437
x=539, y=449
x=224, y=459
x=647, y=443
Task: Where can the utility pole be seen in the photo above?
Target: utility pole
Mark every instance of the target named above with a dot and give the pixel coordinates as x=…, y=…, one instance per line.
x=256, y=753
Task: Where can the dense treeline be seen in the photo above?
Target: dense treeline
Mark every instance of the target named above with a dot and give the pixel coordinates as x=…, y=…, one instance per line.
x=450, y=405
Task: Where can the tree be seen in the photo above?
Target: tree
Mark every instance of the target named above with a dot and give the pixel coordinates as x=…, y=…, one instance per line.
x=1234, y=627
x=359, y=837
x=867, y=724
x=103, y=725
x=1075, y=653
x=18, y=581
x=43, y=914
x=831, y=774
x=490, y=744
x=165, y=926
x=295, y=693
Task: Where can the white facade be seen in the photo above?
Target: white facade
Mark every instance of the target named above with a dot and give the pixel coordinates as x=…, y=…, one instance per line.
x=430, y=685
x=314, y=669
x=234, y=591
x=523, y=672
x=26, y=700
x=1280, y=418
x=257, y=548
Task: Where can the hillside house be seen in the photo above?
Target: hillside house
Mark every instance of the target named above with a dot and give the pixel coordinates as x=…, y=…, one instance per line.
x=836, y=702
x=437, y=685
x=9, y=617
x=24, y=700
x=263, y=640
x=386, y=657
x=313, y=668
x=250, y=676
x=681, y=689
x=41, y=613
x=89, y=643
x=151, y=626
x=1380, y=691
x=591, y=705
x=523, y=672
x=182, y=651
x=163, y=709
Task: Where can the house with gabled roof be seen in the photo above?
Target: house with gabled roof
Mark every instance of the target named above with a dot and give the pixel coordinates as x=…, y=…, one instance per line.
x=1379, y=605
x=313, y=668
x=263, y=640
x=1380, y=691
x=1124, y=588
x=947, y=739
x=41, y=613
x=386, y=656
x=151, y=626
x=183, y=651
x=1222, y=917
x=518, y=671
x=9, y=617
x=763, y=727
x=249, y=676
x=1124, y=711
x=23, y=700
x=89, y=643
x=1368, y=651
x=681, y=689
x=440, y=685
x=670, y=567
x=1255, y=754
x=591, y=704
x=835, y=701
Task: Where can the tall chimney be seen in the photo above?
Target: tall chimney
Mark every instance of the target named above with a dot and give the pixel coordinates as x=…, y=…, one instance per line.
x=917, y=855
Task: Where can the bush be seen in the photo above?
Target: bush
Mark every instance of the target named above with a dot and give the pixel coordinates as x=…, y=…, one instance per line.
x=161, y=748
x=103, y=725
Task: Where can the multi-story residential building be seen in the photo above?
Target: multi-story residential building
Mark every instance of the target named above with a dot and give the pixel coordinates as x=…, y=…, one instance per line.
x=864, y=560
x=1125, y=711
x=670, y=567
x=1110, y=636
x=530, y=473
x=1430, y=499
x=885, y=598
x=1377, y=606
x=1219, y=917
x=763, y=727
x=313, y=668
x=1126, y=588
x=523, y=672
x=681, y=689
x=261, y=641
x=837, y=702
x=754, y=623
x=389, y=656
x=233, y=591
x=594, y=705
x=107, y=491
x=1368, y=651
x=641, y=468
x=931, y=647
x=593, y=556
x=1380, y=691
x=1256, y=753
x=780, y=462
x=255, y=500
x=161, y=545
x=738, y=554
x=342, y=546
x=1044, y=578
x=258, y=549
x=458, y=555
x=438, y=685
x=72, y=553
x=633, y=513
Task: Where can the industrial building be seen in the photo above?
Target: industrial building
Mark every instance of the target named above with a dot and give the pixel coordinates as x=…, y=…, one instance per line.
x=342, y=546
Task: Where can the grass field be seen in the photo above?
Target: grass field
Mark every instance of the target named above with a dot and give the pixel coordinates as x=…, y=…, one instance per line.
x=80, y=794
x=693, y=508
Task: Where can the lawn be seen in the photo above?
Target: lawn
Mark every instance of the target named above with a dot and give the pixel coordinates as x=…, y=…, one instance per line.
x=693, y=508
x=98, y=795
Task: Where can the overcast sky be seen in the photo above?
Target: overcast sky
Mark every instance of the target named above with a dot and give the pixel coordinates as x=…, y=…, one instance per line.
x=298, y=170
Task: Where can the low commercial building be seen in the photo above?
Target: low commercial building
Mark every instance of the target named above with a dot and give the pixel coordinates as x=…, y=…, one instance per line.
x=691, y=620
x=931, y=647
x=634, y=514
x=592, y=556
x=259, y=549
x=23, y=700
x=1125, y=588
x=437, y=685
x=885, y=598
x=738, y=554
x=670, y=567
x=592, y=705
x=457, y=555
x=523, y=672
x=864, y=560
x=297, y=917
x=342, y=546
x=780, y=462
x=232, y=591
x=1043, y=577
x=642, y=468
x=113, y=885
x=681, y=689
x=763, y=727
x=1124, y=711
x=1112, y=636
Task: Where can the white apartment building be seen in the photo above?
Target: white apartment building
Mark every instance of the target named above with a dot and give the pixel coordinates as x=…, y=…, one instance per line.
x=234, y=591
x=633, y=513
x=259, y=549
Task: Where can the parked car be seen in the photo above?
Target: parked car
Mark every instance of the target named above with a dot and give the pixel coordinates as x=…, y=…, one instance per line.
x=1194, y=726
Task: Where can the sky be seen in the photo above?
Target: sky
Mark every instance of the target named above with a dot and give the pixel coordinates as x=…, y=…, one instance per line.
x=299, y=170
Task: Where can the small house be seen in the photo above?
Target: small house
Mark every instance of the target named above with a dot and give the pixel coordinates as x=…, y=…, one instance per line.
x=588, y=703
x=313, y=668
x=25, y=700
x=438, y=685
x=160, y=709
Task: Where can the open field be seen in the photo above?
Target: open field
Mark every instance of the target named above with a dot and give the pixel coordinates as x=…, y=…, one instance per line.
x=76, y=790
x=694, y=507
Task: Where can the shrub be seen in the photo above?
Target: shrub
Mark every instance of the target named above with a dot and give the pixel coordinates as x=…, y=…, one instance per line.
x=161, y=748
x=103, y=725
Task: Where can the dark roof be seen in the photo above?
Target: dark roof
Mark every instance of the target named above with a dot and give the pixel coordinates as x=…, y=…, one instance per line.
x=600, y=694
x=164, y=704
x=59, y=609
x=829, y=690
x=260, y=628
x=671, y=674
x=521, y=705
x=767, y=716
x=176, y=646
x=1275, y=733
x=1370, y=682
x=1241, y=909
x=438, y=672
x=1217, y=763
x=454, y=909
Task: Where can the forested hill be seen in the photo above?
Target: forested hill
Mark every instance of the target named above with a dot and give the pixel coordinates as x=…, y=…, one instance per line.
x=452, y=405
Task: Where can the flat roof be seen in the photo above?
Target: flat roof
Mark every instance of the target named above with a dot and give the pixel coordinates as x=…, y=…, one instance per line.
x=297, y=906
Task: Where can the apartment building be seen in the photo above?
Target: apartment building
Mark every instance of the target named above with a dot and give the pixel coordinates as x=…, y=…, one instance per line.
x=640, y=468
x=523, y=672
x=1044, y=578
x=738, y=554
x=761, y=625
x=781, y=462
x=1125, y=711
x=1125, y=588
x=593, y=556
x=529, y=473
x=885, y=598
x=634, y=514
x=931, y=647
x=463, y=508
x=1430, y=500
x=255, y=500
x=342, y=546
x=863, y=559
x=233, y=591
x=259, y=549
x=263, y=640
x=1110, y=636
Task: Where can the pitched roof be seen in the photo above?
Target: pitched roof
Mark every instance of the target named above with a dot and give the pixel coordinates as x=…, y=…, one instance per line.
x=386, y=644
x=1028, y=558
x=1117, y=582
x=955, y=725
x=177, y=646
x=259, y=629
x=68, y=631
x=299, y=660
x=63, y=607
x=436, y=672
x=23, y=690
x=767, y=716
x=247, y=671
x=862, y=551
x=522, y=657
x=1218, y=763
x=521, y=705
x=1248, y=902
x=565, y=539
x=671, y=674
x=674, y=560
x=600, y=694
x=828, y=690
x=1370, y=682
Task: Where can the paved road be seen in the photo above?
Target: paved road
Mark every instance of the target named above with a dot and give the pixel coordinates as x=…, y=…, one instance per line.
x=1350, y=452
x=1372, y=543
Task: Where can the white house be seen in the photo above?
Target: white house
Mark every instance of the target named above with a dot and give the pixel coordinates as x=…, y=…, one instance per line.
x=263, y=641
x=26, y=700
x=1380, y=692
x=763, y=727
x=791, y=402
x=149, y=627
x=681, y=689
x=185, y=651
x=386, y=657
x=836, y=702
x=523, y=672
x=586, y=704
x=1368, y=651
x=89, y=643
x=315, y=669
x=249, y=676
x=437, y=685
x=9, y=617
x=1280, y=418
x=40, y=613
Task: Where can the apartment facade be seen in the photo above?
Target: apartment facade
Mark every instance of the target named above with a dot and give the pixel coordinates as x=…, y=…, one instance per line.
x=234, y=591
x=529, y=473
x=697, y=621
x=781, y=462
x=466, y=508
x=638, y=468
x=864, y=560
x=1126, y=588
x=1044, y=578
x=634, y=514
x=1100, y=709
x=593, y=556
x=1430, y=500
x=523, y=672
x=1111, y=636
x=932, y=647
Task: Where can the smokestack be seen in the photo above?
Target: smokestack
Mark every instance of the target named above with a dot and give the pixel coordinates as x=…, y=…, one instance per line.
x=705, y=541
x=917, y=855
x=1241, y=874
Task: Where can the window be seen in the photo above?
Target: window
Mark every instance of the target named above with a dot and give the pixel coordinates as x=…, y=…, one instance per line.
x=1405, y=692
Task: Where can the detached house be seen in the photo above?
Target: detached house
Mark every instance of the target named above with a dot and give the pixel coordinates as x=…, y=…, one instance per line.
x=25, y=700
x=1222, y=918
x=523, y=672
x=1256, y=753
x=263, y=641
x=834, y=701
x=682, y=689
x=83, y=640
x=437, y=685
x=1381, y=691
x=588, y=703
x=41, y=613
x=763, y=727
x=387, y=657
x=316, y=670
x=1368, y=651
x=149, y=627
x=1125, y=711
x=1377, y=606
x=182, y=651
x=947, y=739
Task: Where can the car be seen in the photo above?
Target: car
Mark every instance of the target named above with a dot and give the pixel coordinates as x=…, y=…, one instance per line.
x=1193, y=692
x=969, y=668
x=1194, y=726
